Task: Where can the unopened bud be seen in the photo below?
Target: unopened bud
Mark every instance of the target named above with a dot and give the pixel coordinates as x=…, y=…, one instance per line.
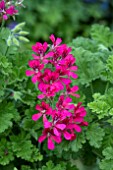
x=18, y=27
x=15, y=41
x=21, y=38
x=23, y=33
x=9, y=41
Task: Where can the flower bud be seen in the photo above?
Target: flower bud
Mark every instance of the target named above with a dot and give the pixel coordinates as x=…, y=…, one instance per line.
x=21, y=38
x=15, y=41
x=23, y=33
x=18, y=27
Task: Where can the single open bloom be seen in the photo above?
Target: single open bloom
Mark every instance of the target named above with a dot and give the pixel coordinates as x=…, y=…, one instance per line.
x=43, y=109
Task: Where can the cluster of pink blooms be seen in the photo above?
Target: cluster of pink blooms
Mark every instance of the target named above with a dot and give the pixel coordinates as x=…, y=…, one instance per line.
x=7, y=9
x=52, y=68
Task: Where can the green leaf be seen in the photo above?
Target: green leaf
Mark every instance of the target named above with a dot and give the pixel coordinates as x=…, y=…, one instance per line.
x=108, y=153
x=100, y=107
x=95, y=135
x=89, y=62
x=51, y=166
x=25, y=167
x=110, y=68
x=106, y=164
x=23, y=148
x=102, y=34
x=78, y=142
x=6, y=154
x=5, y=33
x=7, y=113
x=102, y=104
x=108, y=138
x=3, y=47
x=17, y=95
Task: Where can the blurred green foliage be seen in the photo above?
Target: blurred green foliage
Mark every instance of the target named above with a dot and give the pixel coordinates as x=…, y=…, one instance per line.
x=66, y=19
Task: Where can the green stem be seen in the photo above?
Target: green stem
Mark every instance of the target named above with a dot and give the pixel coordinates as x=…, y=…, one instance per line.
x=98, y=154
x=3, y=22
x=6, y=50
x=91, y=86
x=107, y=86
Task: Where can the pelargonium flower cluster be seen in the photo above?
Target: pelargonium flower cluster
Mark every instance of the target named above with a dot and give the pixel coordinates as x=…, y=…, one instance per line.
x=52, y=68
x=7, y=9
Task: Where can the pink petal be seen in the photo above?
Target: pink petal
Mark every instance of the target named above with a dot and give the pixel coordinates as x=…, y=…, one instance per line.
x=50, y=144
x=41, y=138
x=49, y=54
x=45, y=45
x=77, y=128
x=67, y=135
x=5, y=17
x=79, y=119
x=70, y=106
x=41, y=96
x=56, y=132
x=74, y=68
x=84, y=123
x=47, y=124
x=35, y=56
x=76, y=95
x=29, y=72
x=73, y=75
x=61, y=126
x=58, y=41
x=35, y=117
x=67, y=113
x=65, y=80
x=38, y=107
x=2, y=4
x=52, y=38
x=57, y=139
x=74, y=88
x=34, y=79
x=68, y=100
x=73, y=137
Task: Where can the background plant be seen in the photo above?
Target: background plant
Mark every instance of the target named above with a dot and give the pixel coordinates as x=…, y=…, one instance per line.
x=64, y=19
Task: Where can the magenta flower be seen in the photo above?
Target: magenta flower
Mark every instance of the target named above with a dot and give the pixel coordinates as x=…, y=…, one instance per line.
x=79, y=110
x=66, y=51
x=72, y=90
x=44, y=109
x=68, y=64
x=40, y=48
x=56, y=126
x=64, y=106
x=50, y=83
x=62, y=76
x=51, y=138
x=43, y=58
x=56, y=41
x=11, y=10
x=36, y=70
x=7, y=11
